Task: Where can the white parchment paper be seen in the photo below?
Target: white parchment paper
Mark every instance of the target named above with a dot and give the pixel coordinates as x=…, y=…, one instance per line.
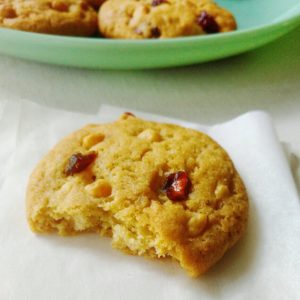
x=9, y=122
x=265, y=264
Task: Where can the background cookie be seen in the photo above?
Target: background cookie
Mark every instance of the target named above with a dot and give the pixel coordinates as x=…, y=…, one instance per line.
x=158, y=190
x=63, y=17
x=139, y=19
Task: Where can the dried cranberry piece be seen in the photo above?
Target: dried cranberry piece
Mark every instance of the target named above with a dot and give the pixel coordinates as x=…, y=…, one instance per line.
x=158, y=2
x=84, y=5
x=128, y=113
x=78, y=162
x=177, y=186
x=208, y=23
x=155, y=32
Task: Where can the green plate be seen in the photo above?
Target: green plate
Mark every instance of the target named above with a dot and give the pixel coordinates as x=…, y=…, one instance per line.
x=259, y=22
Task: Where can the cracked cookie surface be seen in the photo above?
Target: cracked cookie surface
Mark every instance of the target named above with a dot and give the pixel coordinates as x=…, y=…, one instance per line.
x=140, y=19
x=111, y=179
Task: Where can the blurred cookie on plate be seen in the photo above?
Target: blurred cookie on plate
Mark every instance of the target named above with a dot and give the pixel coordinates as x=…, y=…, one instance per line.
x=142, y=19
x=62, y=17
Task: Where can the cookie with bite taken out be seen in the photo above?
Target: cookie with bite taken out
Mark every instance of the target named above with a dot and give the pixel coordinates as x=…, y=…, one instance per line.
x=158, y=190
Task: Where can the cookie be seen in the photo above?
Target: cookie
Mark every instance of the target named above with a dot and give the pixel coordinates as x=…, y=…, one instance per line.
x=140, y=19
x=62, y=17
x=158, y=190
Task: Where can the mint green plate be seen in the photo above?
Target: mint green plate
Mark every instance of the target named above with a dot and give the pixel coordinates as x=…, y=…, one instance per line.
x=259, y=22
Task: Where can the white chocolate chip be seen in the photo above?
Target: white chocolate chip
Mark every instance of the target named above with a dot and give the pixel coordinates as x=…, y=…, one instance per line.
x=221, y=191
x=197, y=224
x=99, y=188
x=150, y=135
x=92, y=139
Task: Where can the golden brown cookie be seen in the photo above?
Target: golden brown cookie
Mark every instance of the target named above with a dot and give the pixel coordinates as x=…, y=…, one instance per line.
x=63, y=17
x=140, y=19
x=158, y=190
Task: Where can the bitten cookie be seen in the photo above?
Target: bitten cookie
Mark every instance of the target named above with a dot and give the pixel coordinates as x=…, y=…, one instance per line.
x=62, y=17
x=158, y=190
x=140, y=19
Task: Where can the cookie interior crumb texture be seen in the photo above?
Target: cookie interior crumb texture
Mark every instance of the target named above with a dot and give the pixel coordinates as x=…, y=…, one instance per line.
x=120, y=192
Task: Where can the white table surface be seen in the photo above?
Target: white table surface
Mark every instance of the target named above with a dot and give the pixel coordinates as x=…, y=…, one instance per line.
x=267, y=78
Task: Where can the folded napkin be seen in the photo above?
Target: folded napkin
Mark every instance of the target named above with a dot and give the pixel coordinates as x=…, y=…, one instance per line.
x=265, y=264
